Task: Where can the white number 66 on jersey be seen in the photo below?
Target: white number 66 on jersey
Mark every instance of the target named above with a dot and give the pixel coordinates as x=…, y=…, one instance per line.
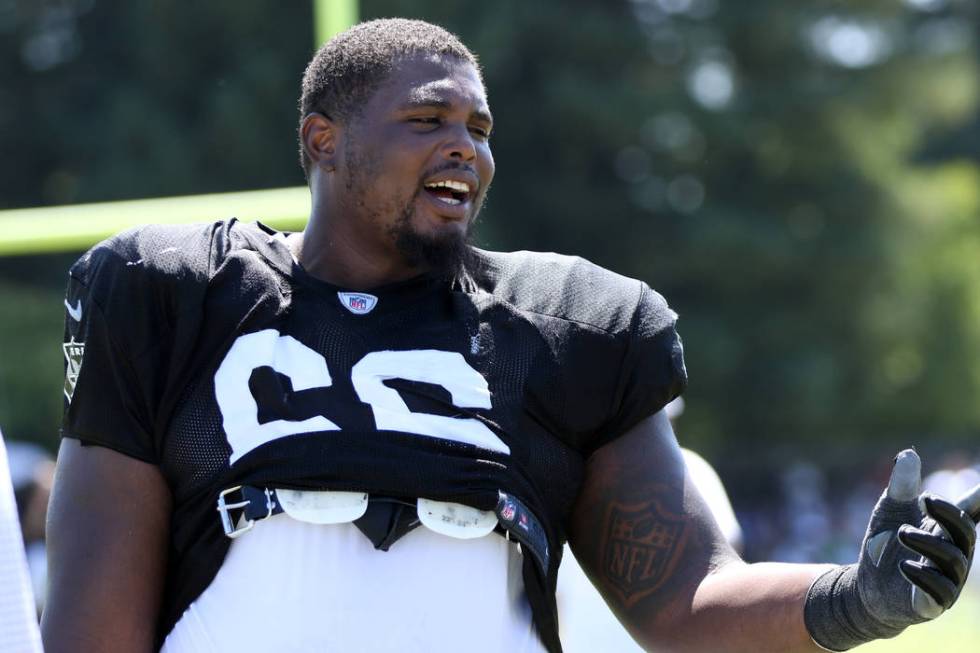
x=307, y=369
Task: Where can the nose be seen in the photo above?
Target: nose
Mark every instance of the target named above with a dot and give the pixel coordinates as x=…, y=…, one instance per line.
x=460, y=145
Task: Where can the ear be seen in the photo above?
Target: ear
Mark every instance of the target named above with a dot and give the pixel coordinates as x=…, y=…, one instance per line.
x=319, y=134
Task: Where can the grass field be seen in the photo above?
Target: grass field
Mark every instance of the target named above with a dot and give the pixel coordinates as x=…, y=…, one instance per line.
x=956, y=631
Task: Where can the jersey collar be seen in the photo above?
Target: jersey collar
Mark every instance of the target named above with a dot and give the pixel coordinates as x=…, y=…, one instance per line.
x=391, y=296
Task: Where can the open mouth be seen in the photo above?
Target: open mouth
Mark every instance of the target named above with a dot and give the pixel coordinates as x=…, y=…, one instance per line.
x=448, y=191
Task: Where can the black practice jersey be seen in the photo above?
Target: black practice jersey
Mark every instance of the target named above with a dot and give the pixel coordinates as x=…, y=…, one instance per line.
x=207, y=351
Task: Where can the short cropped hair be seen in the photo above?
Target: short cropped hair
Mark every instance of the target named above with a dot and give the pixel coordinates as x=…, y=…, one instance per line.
x=347, y=70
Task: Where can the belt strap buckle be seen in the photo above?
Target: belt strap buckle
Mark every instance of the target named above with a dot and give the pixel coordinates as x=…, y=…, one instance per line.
x=231, y=529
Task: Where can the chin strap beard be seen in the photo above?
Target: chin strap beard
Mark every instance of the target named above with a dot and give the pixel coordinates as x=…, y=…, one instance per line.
x=444, y=256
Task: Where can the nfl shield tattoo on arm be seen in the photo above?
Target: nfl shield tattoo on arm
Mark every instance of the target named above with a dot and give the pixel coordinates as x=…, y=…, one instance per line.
x=641, y=530
x=641, y=545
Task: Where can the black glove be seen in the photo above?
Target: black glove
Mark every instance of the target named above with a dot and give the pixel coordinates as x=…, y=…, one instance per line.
x=891, y=586
x=946, y=546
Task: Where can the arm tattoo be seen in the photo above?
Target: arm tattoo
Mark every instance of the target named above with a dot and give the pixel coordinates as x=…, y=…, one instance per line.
x=640, y=529
x=640, y=545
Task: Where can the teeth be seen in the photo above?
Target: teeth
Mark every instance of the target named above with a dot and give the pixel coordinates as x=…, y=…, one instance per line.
x=449, y=200
x=459, y=186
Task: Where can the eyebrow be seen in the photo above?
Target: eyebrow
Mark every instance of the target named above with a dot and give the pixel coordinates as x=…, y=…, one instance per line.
x=427, y=102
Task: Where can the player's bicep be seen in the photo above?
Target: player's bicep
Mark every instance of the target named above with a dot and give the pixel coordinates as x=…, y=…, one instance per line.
x=641, y=531
x=107, y=534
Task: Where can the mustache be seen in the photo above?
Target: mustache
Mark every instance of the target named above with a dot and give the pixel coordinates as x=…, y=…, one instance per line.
x=453, y=166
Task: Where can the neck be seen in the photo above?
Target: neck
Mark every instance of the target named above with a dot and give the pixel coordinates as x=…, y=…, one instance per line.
x=330, y=251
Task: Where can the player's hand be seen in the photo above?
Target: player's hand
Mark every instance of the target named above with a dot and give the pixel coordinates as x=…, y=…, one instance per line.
x=903, y=538
x=913, y=564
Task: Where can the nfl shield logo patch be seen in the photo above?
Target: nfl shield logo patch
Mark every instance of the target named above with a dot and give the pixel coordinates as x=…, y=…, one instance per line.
x=509, y=510
x=642, y=548
x=358, y=303
x=73, y=359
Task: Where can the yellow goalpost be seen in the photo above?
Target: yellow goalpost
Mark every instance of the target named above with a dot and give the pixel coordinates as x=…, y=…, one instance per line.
x=78, y=226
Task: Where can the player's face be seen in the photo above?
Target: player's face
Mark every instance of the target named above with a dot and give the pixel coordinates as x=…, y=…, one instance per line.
x=417, y=160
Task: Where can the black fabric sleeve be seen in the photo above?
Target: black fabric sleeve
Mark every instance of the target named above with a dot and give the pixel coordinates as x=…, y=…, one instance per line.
x=133, y=314
x=110, y=337
x=652, y=372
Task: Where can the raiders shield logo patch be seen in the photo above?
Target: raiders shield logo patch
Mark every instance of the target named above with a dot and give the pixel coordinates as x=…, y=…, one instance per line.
x=642, y=547
x=73, y=358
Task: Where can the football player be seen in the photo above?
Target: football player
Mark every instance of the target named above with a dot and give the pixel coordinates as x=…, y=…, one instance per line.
x=371, y=436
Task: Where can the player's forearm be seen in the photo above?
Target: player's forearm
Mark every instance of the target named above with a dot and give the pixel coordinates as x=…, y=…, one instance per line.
x=755, y=608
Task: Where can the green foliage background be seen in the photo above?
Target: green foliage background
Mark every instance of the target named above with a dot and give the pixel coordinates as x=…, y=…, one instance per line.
x=818, y=229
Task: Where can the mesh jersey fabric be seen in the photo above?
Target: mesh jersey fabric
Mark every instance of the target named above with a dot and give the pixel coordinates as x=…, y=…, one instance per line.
x=570, y=356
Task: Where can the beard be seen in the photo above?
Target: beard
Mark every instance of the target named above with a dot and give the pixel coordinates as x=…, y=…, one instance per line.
x=445, y=254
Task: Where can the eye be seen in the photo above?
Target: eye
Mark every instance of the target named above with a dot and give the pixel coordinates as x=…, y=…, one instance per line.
x=424, y=120
x=481, y=132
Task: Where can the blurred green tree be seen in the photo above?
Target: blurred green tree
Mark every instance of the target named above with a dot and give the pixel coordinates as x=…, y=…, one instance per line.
x=759, y=163
x=756, y=163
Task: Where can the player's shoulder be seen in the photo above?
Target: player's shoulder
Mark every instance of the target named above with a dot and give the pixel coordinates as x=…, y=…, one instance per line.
x=159, y=254
x=567, y=287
